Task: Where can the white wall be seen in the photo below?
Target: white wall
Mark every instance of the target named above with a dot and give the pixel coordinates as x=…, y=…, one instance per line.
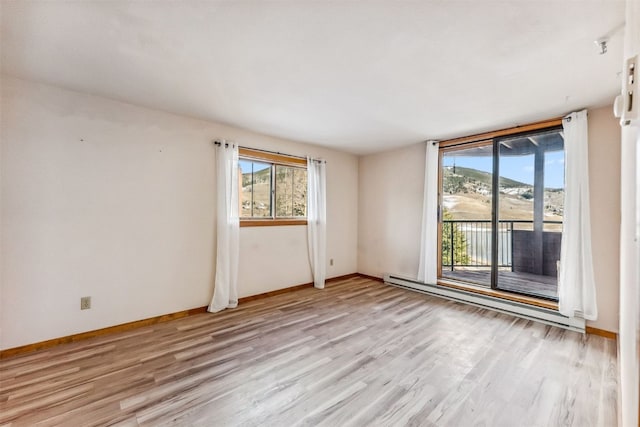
x=114, y=201
x=390, y=211
x=604, y=191
x=391, y=192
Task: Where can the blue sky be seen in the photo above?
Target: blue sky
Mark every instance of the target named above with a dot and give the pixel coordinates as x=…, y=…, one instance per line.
x=519, y=168
x=257, y=166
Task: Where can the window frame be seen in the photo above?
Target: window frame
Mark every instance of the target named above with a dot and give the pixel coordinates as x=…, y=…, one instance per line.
x=273, y=159
x=488, y=139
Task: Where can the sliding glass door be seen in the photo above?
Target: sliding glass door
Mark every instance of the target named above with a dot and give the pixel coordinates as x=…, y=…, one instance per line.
x=466, y=213
x=501, y=204
x=531, y=197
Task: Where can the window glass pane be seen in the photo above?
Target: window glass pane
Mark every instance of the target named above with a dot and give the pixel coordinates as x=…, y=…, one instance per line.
x=244, y=170
x=554, y=189
x=521, y=253
x=291, y=192
x=300, y=192
x=284, y=191
x=467, y=203
x=255, y=196
x=531, y=197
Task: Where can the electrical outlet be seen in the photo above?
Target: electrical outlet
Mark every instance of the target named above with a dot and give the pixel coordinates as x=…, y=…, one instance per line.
x=85, y=303
x=331, y=262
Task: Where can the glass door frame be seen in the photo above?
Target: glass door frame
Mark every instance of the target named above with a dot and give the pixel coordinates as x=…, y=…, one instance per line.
x=494, y=141
x=484, y=142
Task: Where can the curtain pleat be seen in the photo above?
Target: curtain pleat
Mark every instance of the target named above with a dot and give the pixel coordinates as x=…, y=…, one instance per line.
x=317, y=220
x=428, y=268
x=576, y=284
x=225, y=293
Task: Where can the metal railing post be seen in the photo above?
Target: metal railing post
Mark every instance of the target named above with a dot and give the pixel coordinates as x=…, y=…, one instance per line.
x=511, y=246
x=452, y=244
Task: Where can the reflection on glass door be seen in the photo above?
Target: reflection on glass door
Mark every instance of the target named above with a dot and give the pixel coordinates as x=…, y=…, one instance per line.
x=530, y=200
x=466, y=213
x=502, y=206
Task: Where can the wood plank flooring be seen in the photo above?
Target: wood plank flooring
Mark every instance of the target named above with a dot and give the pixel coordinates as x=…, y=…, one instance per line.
x=524, y=283
x=358, y=353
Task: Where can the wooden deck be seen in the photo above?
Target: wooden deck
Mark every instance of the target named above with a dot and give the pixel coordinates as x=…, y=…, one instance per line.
x=524, y=283
x=358, y=353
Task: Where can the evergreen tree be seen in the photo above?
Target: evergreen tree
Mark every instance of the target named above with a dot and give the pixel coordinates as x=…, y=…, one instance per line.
x=460, y=255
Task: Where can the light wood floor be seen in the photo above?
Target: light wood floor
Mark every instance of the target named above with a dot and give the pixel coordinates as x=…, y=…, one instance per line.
x=357, y=353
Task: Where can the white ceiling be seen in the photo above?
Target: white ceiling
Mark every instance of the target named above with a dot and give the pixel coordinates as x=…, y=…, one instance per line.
x=356, y=76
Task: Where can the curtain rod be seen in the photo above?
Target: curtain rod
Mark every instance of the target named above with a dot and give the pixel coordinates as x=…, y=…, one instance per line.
x=568, y=116
x=271, y=152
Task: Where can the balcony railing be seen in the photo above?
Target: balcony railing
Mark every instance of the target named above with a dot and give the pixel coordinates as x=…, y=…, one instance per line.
x=467, y=243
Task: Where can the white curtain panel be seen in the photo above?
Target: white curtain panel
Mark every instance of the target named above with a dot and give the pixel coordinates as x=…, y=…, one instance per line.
x=428, y=268
x=317, y=219
x=225, y=293
x=576, y=284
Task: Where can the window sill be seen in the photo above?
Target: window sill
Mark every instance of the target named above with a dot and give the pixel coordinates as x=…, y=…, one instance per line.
x=538, y=302
x=271, y=222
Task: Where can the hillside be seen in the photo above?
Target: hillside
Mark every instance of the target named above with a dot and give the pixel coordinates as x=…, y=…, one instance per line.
x=482, y=177
x=467, y=195
x=290, y=192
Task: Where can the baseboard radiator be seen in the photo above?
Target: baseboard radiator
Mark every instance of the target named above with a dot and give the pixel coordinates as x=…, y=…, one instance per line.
x=526, y=311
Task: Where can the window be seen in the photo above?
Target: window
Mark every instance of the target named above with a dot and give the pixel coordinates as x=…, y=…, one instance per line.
x=502, y=210
x=273, y=189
